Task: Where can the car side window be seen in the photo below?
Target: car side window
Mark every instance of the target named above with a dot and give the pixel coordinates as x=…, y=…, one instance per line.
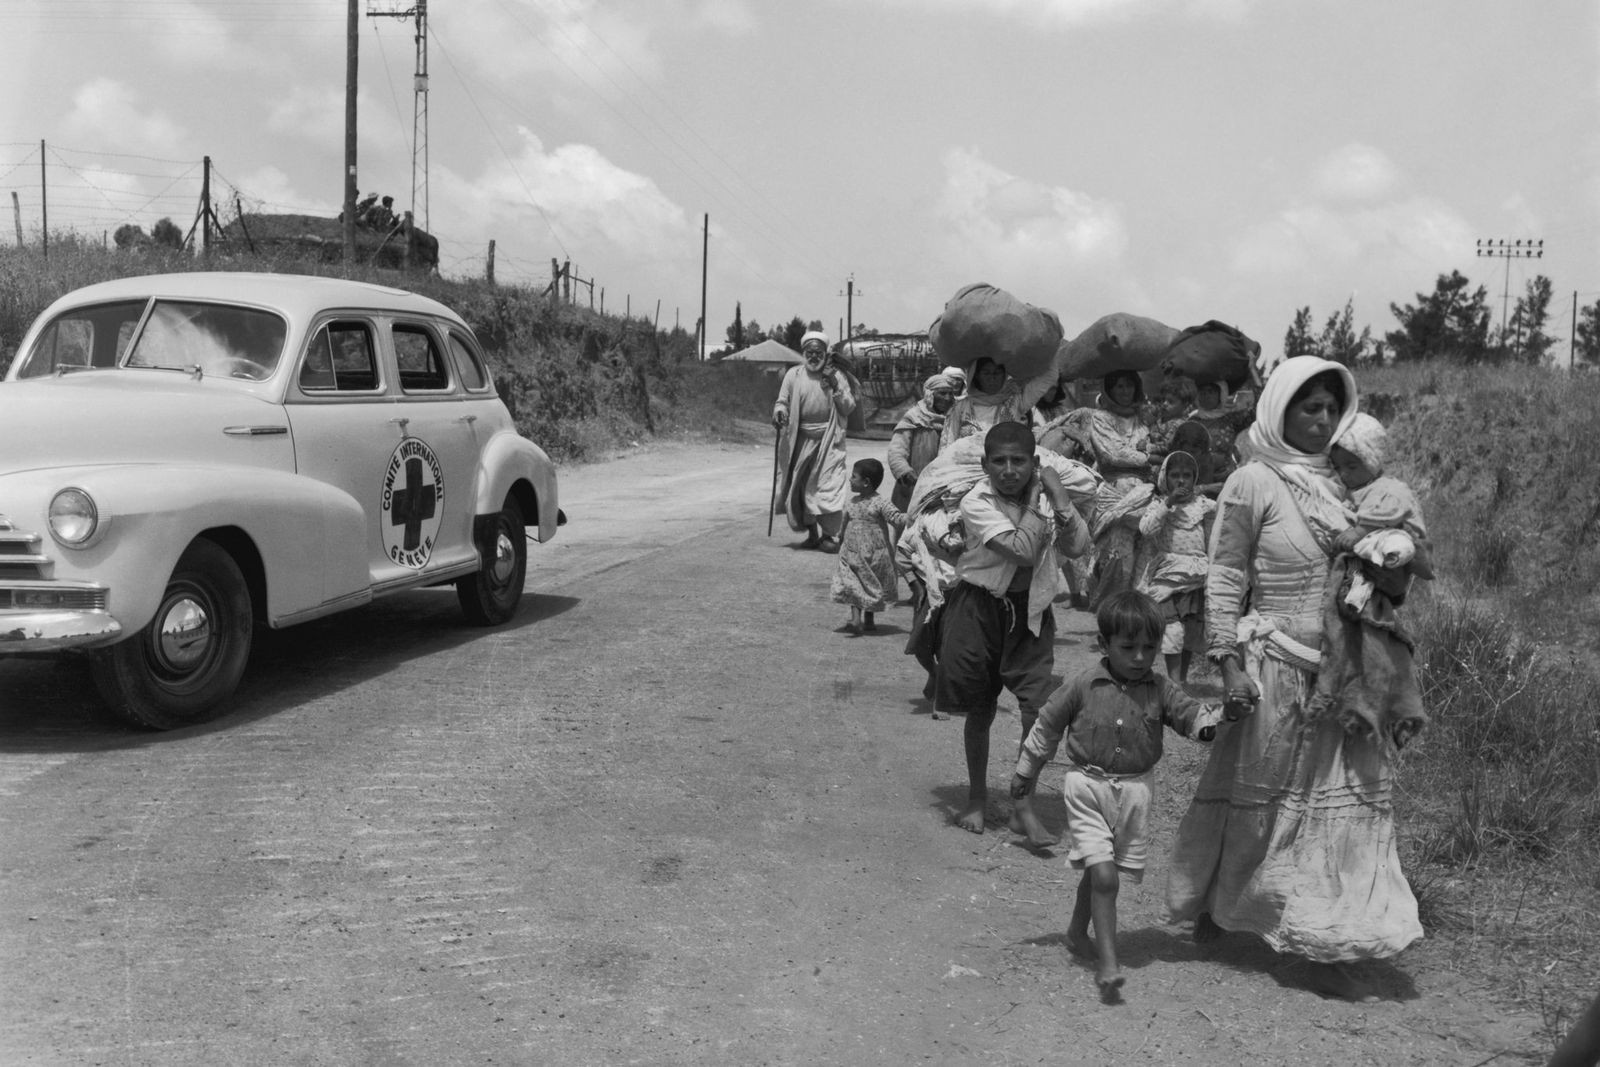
x=468, y=365
x=340, y=359
x=422, y=365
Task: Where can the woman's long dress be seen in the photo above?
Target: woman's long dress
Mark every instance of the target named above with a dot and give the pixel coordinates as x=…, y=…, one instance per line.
x=1290, y=835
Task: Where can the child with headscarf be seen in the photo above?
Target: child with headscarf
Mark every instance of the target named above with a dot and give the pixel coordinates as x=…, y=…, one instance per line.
x=1175, y=527
x=1367, y=679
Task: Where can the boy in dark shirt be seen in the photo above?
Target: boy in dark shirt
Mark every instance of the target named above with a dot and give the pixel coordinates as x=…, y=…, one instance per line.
x=1111, y=715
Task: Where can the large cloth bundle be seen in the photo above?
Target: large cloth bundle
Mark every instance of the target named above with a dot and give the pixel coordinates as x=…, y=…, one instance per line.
x=1215, y=352
x=981, y=320
x=959, y=467
x=1116, y=342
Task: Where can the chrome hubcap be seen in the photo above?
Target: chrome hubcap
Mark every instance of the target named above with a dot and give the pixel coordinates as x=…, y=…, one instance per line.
x=184, y=636
x=505, y=559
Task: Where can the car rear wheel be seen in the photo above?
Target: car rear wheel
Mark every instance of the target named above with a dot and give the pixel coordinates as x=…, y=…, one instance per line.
x=491, y=595
x=180, y=668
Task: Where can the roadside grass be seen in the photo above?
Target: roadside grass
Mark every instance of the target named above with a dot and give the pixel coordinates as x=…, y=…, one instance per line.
x=1499, y=800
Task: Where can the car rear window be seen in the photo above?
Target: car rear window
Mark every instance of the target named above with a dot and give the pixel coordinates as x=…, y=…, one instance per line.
x=468, y=365
x=422, y=365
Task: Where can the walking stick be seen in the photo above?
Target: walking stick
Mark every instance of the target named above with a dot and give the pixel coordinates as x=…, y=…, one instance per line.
x=772, y=499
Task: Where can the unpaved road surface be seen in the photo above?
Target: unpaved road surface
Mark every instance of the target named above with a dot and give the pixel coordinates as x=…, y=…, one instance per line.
x=669, y=815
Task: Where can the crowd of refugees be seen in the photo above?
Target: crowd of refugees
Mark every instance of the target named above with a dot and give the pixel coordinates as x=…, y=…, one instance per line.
x=1263, y=534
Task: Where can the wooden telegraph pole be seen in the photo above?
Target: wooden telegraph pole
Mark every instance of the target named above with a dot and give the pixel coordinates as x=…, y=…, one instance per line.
x=705, y=249
x=351, y=53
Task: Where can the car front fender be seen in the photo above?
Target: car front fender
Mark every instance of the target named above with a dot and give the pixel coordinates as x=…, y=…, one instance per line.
x=310, y=537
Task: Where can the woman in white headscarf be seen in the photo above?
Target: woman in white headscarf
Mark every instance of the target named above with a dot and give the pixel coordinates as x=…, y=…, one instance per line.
x=1290, y=835
x=813, y=403
x=915, y=439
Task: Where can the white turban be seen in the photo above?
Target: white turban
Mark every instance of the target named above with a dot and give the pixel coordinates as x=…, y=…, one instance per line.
x=813, y=335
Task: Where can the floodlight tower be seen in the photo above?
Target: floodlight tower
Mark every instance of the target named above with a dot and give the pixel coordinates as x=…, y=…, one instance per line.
x=417, y=10
x=1508, y=250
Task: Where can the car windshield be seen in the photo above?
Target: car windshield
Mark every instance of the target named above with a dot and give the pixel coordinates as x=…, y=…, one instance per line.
x=217, y=339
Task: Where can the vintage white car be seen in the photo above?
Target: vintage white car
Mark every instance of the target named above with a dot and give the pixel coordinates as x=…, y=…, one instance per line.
x=184, y=457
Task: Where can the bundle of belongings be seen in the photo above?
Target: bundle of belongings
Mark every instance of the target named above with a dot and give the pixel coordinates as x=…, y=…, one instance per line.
x=1214, y=352
x=981, y=320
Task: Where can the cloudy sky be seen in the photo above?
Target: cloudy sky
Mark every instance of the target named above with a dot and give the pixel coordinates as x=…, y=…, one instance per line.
x=1182, y=159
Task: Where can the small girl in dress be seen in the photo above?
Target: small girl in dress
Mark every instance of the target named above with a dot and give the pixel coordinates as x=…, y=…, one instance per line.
x=865, y=577
x=1176, y=526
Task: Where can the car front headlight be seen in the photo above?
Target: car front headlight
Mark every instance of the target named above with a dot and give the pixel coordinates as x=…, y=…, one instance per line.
x=74, y=519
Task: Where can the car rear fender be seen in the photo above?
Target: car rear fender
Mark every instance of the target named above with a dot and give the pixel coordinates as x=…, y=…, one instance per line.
x=512, y=463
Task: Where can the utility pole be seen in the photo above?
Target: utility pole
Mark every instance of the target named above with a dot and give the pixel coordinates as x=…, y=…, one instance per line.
x=1572, y=349
x=44, y=204
x=351, y=52
x=1524, y=248
x=849, y=295
x=418, y=11
x=705, y=251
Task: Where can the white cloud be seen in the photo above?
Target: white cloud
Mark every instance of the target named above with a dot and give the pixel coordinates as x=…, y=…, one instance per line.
x=316, y=114
x=1355, y=172
x=1078, y=12
x=732, y=17
x=106, y=114
x=1047, y=244
x=595, y=206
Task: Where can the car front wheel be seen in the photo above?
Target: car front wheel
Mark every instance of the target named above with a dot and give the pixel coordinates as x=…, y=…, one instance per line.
x=491, y=595
x=180, y=668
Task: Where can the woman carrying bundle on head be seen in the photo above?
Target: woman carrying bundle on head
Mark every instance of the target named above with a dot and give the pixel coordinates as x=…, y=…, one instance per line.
x=1121, y=450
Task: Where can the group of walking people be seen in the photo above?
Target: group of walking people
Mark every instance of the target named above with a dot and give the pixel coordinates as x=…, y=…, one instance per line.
x=1250, y=548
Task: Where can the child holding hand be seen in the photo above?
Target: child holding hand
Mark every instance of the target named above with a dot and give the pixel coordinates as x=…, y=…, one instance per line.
x=865, y=576
x=1112, y=716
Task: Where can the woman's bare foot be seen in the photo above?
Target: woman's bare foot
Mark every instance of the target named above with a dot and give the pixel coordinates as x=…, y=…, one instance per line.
x=971, y=817
x=1025, y=823
x=1205, y=930
x=1339, y=981
x=1110, y=981
x=1081, y=945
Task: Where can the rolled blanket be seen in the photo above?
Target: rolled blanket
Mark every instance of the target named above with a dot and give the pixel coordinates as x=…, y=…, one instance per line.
x=959, y=466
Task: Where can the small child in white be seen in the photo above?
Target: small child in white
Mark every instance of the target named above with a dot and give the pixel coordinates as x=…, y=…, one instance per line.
x=1112, y=716
x=1367, y=679
x=865, y=576
x=1174, y=527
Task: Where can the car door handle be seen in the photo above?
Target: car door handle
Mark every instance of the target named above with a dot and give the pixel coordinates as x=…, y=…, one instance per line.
x=402, y=422
x=469, y=419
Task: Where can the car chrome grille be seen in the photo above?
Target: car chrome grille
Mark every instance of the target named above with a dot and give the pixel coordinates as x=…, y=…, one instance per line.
x=20, y=555
x=53, y=597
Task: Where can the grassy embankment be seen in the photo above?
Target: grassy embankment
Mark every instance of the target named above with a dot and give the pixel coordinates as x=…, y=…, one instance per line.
x=1500, y=798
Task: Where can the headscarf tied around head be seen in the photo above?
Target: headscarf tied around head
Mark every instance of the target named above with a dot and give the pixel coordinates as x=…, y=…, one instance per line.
x=1309, y=475
x=921, y=416
x=813, y=335
x=1176, y=461
x=1367, y=440
x=1105, y=392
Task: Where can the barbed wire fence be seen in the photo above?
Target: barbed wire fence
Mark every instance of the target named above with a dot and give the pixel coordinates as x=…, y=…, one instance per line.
x=90, y=195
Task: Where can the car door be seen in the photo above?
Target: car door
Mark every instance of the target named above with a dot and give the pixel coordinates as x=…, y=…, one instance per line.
x=428, y=496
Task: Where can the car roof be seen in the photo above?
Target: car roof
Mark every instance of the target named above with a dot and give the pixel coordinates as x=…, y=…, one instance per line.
x=296, y=295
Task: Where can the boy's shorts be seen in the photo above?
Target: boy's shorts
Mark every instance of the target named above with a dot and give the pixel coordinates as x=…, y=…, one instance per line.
x=1108, y=820
x=985, y=646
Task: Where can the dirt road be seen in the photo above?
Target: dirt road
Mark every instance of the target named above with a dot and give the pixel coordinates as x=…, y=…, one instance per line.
x=670, y=815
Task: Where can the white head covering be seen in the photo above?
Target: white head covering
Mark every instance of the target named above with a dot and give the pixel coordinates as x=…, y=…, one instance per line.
x=1367, y=440
x=813, y=335
x=1266, y=433
x=940, y=381
x=1309, y=475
